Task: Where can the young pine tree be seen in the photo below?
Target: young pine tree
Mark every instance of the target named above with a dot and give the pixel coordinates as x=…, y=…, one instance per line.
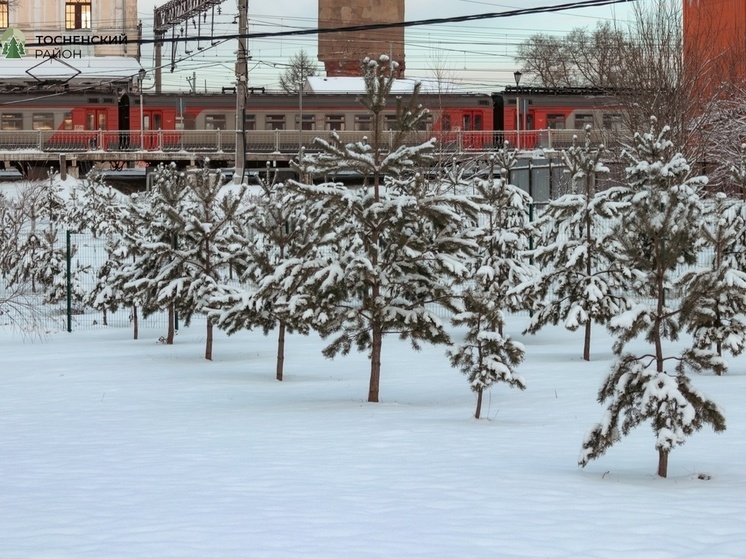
x=152, y=277
x=278, y=244
x=487, y=356
x=659, y=230
x=397, y=244
x=580, y=280
x=715, y=302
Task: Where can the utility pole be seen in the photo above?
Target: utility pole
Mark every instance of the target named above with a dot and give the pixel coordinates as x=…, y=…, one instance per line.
x=242, y=78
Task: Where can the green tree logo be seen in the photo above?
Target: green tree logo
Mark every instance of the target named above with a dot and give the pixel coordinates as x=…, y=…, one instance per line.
x=14, y=43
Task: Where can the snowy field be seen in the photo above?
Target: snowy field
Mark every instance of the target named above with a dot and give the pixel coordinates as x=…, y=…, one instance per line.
x=115, y=448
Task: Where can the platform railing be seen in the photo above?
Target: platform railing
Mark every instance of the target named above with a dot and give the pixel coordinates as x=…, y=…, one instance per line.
x=281, y=141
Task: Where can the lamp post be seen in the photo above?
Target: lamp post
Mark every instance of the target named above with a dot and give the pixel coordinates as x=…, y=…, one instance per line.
x=300, y=115
x=517, y=75
x=140, y=78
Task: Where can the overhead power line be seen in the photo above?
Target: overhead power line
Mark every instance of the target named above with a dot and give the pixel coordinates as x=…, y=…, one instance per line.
x=374, y=26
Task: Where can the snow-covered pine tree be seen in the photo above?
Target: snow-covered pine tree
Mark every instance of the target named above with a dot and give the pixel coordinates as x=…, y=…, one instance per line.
x=152, y=276
x=580, y=281
x=205, y=218
x=277, y=238
x=659, y=230
x=714, y=302
x=398, y=242
x=100, y=209
x=40, y=258
x=487, y=355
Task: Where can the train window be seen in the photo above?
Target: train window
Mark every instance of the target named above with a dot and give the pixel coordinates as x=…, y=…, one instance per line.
x=11, y=121
x=190, y=121
x=425, y=123
x=392, y=122
x=556, y=122
x=77, y=14
x=335, y=122
x=309, y=122
x=3, y=14
x=67, y=122
x=445, y=123
x=582, y=120
x=613, y=122
x=362, y=123
x=275, y=122
x=473, y=121
x=42, y=121
x=250, y=122
x=215, y=122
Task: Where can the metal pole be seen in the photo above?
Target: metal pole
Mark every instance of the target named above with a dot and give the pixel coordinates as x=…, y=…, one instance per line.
x=68, y=284
x=141, y=76
x=300, y=115
x=517, y=122
x=517, y=75
x=242, y=77
x=142, y=122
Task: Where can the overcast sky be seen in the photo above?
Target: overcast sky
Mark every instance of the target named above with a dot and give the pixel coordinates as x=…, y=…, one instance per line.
x=478, y=54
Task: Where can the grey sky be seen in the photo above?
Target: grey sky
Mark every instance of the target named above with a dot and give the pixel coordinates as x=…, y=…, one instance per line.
x=479, y=54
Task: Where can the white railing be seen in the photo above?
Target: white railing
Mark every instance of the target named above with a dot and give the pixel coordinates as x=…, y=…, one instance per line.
x=281, y=141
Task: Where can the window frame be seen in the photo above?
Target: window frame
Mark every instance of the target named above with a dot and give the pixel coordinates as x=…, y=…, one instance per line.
x=78, y=15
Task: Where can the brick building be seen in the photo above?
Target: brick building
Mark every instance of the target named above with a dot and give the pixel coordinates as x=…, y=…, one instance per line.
x=341, y=53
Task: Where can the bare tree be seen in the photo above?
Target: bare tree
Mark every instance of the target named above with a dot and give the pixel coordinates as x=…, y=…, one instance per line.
x=652, y=64
x=579, y=59
x=301, y=66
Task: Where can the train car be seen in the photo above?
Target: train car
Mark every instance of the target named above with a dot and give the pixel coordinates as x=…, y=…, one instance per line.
x=525, y=117
x=275, y=121
x=538, y=116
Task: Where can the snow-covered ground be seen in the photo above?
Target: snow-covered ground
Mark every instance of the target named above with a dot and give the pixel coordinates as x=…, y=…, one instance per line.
x=115, y=448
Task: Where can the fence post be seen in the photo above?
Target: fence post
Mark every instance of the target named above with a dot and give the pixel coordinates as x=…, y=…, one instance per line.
x=68, y=286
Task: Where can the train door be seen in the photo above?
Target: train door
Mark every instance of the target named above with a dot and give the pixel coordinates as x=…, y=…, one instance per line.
x=152, y=122
x=95, y=119
x=472, y=125
x=124, y=122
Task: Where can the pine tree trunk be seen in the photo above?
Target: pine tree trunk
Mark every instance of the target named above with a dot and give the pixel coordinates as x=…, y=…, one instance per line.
x=105, y=319
x=171, y=333
x=663, y=463
x=375, y=362
x=478, y=411
x=135, y=323
x=587, y=343
x=280, y=351
x=588, y=264
x=208, y=342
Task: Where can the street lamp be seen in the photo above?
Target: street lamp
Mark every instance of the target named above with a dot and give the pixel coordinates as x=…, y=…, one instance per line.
x=517, y=75
x=301, y=81
x=140, y=78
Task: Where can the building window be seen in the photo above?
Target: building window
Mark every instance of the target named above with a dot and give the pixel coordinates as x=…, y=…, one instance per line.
x=214, y=122
x=335, y=122
x=582, y=120
x=42, y=121
x=556, y=122
x=77, y=14
x=3, y=14
x=275, y=122
x=309, y=122
x=11, y=121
